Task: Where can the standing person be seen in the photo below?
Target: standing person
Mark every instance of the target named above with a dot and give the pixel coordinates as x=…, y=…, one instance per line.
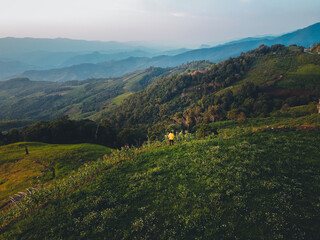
x=171, y=137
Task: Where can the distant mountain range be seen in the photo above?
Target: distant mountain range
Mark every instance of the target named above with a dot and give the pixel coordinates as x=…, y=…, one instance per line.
x=15, y=47
x=97, y=57
x=10, y=67
x=120, y=58
x=18, y=55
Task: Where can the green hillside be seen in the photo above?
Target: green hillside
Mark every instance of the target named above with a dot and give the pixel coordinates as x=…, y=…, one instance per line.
x=252, y=185
x=23, y=99
x=245, y=164
x=42, y=164
x=265, y=82
x=256, y=84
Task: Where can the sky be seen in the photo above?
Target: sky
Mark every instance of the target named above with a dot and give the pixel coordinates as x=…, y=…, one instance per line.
x=182, y=22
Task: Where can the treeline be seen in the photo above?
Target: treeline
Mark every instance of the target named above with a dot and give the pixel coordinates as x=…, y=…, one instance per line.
x=188, y=101
x=63, y=130
x=184, y=101
x=250, y=101
x=176, y=92
x=7, y=125
x=66, y=131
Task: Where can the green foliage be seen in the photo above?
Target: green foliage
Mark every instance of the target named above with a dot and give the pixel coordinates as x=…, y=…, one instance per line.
x=234, y=132
x=259, y=83
x=92, y=98
x=117, y=100
x=257, y=169
x=203, y=130
x=129, y=136
x=19, y=170
x=305, y=77
x=64, y=130
x=255, y=84
x=201, y=189
x=7, y=125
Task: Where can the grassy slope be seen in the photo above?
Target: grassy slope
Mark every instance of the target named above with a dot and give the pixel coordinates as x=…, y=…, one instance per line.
x=80, y=100
x=284, y=120
x=19, y=171
x=110, y=107
x=261, y=186
x=298, y=72
x=132, y=82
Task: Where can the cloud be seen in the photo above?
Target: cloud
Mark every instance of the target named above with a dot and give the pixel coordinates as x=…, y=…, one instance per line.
x=179, y=14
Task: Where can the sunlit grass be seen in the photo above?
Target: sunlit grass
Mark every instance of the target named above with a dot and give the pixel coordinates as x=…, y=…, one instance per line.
x=212, y=188
x=19, y=171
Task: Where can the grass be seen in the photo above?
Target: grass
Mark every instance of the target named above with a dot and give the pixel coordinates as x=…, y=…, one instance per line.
x=306, y=77
x=261, y=186
x=117, y=100
x=19, y=171
x=110, y=107
x=300, y=72
x=279, y=120
x=132, y=82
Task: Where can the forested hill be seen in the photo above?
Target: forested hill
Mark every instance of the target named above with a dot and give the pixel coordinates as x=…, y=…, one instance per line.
x=265, y=82
x=218, y=180
x=41, y=100
x=257, y=83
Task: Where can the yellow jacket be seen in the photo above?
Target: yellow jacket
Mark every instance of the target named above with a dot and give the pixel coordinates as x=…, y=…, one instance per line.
x=171, y=136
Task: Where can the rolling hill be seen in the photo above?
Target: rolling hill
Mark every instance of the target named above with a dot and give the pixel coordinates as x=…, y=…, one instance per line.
x=42, y=164
x=11, y=67
x=22, y=98
x=304, y=37
x=22, y=54
x=279, y=76
x=274, y=81
x=245, y=163
x=254, y=84
x=259, y=185
x=11, y=47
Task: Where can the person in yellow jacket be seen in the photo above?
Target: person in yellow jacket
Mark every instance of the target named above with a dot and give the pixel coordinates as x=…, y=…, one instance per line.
x=171, y=138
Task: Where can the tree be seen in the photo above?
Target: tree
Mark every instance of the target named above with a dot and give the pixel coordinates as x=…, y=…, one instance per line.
x=232, y=114
x=39, y=131
x=14, y=135
x=63, y=130
x=131, y=136
x=106, y=134
x=242, y=118
x=203, y=130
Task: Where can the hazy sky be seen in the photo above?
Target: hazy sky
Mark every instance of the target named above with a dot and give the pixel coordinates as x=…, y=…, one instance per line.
x=179, y=21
